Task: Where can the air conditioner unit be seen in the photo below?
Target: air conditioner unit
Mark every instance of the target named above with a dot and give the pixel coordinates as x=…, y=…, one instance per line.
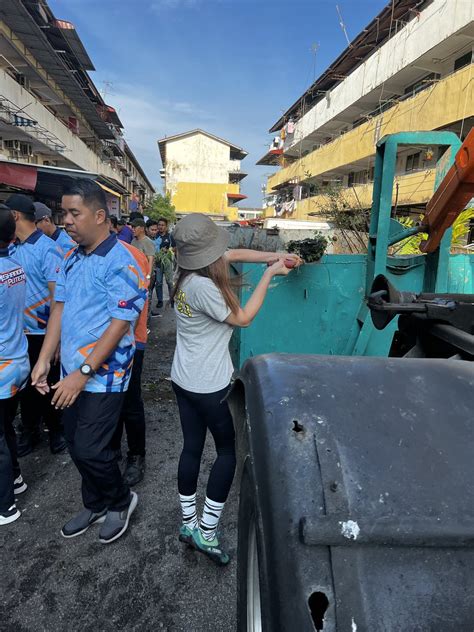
x=26, y=149
x=12, y=144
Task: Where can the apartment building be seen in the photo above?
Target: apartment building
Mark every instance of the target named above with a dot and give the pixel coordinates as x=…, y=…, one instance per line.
x=410, y=69
x=202, y=173
x=54, y=123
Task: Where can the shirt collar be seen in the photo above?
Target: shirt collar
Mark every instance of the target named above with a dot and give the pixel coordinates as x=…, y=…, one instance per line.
x=4, y=252
x=32, y=239
x=103, y=248
x=56, y=234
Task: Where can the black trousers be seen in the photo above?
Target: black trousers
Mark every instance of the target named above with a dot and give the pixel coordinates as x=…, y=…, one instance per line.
x=198, y=412
x=132, y=415
x=89, y=427
x=9, y=467
x=34, y=406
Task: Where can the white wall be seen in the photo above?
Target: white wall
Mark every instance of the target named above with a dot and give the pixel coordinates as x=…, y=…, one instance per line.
x=198, y=158
x=436, y=23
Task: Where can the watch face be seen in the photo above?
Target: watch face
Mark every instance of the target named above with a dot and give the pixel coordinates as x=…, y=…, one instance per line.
x=85, y=369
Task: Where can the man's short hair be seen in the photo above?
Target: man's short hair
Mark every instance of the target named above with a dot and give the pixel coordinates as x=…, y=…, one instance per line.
x=91, y=193
x=151, y=222
x=163, y=219
x=114, y=221
x=138, y=222
x=7, y=225
x=121, y=222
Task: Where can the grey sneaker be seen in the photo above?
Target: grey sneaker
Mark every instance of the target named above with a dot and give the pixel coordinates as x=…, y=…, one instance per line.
x=80, y=523
x=116, y=522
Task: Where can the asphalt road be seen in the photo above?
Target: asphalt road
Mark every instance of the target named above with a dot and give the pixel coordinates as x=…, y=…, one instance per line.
x=146, y=580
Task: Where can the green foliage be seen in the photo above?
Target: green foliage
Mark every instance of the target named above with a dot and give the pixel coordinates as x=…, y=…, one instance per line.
x=161, y=206
x=411, y=245
x=461, y=228
x=310, y=250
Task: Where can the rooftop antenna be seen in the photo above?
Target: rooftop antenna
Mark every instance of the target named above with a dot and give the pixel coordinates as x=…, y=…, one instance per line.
x=314, y=50
x=343, y=26
x=107, y=88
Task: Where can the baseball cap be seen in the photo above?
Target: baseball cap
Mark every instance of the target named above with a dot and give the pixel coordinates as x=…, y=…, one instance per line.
x=41, y=210
x=138, y=222
x=21, y=203
x=199, y=241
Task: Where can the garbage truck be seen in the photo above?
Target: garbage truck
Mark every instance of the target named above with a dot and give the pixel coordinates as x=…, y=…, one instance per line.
x=354, y=415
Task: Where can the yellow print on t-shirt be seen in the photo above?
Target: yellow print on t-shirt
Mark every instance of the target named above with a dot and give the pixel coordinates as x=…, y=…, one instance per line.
x=181, y=304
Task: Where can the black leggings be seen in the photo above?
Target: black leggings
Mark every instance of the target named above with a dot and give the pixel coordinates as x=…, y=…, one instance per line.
x=198, y=412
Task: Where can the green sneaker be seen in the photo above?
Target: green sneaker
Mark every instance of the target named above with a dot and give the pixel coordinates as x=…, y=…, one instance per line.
x=209, y=548
x=186, y=535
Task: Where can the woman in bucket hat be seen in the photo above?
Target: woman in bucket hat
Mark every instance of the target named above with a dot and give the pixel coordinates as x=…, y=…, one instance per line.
x=207, y=309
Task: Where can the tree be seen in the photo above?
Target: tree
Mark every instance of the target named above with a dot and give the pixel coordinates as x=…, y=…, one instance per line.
x=160, y=206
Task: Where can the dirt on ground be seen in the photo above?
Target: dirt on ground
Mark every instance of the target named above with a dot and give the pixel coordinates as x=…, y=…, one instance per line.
x=146, y=580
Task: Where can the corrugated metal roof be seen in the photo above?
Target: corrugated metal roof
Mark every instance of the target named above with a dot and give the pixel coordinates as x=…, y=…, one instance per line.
x=361, y=48
x=15, y=15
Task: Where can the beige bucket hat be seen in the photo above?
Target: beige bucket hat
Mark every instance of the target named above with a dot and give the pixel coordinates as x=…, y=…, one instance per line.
x=199, y=241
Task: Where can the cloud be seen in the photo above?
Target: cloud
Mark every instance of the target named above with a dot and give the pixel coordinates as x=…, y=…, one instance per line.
x=147, y=119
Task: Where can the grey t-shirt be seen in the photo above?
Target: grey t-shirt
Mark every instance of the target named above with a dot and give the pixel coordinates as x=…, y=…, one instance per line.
x=145, y=245
x=201, y=362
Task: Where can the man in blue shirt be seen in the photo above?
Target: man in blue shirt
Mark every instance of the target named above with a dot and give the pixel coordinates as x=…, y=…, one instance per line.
x=125, y=233
x=41, y=260
x=44, y=221
x=14, y=366
x=99, y=296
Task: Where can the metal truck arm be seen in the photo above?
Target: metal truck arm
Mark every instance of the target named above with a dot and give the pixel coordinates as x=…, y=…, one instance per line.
x=451, y=197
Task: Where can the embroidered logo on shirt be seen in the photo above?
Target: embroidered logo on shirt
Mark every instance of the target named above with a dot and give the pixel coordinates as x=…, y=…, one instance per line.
x=123, y=303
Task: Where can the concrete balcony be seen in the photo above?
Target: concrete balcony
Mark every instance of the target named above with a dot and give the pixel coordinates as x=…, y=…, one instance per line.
x=74, y=152
x=438, y=106
x=410, y=189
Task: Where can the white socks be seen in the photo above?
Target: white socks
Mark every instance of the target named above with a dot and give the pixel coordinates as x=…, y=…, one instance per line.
x=210, y=515
x=188, y=507
x=210, y=519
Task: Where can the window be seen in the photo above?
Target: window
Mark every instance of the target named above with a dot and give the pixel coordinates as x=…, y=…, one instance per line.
x=465, y=60
x=413, y=162
x=421, y=84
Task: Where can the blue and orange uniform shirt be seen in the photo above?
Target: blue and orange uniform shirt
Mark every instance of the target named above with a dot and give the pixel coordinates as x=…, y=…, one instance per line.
x=41, y=260
x=63, y=240
x=14, y=362
x=96, y=287
x=141, y=328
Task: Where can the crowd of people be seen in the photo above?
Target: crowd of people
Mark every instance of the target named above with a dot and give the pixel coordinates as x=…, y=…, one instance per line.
x=73, y=331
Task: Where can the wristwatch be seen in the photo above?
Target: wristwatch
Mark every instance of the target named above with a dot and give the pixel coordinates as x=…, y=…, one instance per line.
x=87, y=370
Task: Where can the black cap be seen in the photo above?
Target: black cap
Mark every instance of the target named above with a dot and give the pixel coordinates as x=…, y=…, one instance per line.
x=21, y=203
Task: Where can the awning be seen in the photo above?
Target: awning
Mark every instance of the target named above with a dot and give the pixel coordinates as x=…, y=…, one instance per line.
x=21, y=176
x=272, y=157
x=236, y=196
x=111, y=191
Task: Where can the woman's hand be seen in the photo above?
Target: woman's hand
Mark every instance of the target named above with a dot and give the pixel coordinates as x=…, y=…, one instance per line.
x=279, y=268
x=295, y=260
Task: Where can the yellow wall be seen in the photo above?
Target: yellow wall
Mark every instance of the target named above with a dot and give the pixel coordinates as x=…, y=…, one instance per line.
x=200, y=197
x=413, y=188
x=442, y=104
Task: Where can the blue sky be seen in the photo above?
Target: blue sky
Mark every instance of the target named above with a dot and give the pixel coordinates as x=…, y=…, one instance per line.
x=231, y=67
